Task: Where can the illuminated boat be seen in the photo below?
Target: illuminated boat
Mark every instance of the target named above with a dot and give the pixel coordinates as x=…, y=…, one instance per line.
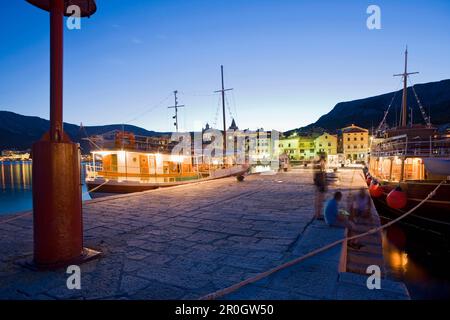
x=408, y=162
x=134, y=164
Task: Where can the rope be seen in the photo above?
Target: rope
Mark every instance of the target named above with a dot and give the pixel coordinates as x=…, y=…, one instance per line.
x=387, y=111
x=97, y=187
x=237, y=286
x=15, y=217
x=228, y=107
x=422, y=110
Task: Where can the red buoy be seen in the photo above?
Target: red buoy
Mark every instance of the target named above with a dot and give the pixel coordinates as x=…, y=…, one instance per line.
x=375, y=189
x=397, y=198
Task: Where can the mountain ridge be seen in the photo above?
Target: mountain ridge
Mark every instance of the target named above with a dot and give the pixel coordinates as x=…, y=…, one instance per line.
x=368, y=112
x=19, y=131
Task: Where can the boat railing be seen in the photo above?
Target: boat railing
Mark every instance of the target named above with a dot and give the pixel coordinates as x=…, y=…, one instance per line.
x=92, y=171
x=412, y=148
x=199, y=169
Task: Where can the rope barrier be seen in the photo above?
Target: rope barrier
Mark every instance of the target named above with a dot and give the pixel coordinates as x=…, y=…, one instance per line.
x=97, y=187
x=237, y=286
x=16, y=217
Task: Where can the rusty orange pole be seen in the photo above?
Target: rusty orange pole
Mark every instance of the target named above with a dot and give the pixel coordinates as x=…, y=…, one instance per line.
x=57, y=207
x=56, y=69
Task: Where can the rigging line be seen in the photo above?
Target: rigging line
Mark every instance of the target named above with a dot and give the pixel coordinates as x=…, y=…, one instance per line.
x=422, y=110
x=88, y=138
x=216, y=117
x=234, y=104
x=197, y=94
x=149, y=109
x=389, y=107
x=228, y=107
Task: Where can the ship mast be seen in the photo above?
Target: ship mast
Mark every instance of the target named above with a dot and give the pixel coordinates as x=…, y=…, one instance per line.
x=223, y=114
x=176, y=106
x=405, y=90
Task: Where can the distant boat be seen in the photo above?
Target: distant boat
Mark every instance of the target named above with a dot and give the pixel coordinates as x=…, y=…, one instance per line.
x=138, y=165
x=412, y=160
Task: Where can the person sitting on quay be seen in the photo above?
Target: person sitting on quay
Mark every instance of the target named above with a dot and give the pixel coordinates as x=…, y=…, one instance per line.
x=360, y=207
x=339, y=218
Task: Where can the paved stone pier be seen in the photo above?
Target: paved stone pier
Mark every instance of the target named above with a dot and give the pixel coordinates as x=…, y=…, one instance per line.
x=185, y=242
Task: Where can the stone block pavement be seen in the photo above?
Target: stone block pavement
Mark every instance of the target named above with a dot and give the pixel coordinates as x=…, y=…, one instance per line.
x=188, y=241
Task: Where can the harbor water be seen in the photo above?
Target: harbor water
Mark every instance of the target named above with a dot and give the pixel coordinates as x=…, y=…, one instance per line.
x=417, y=257
x=15, y=186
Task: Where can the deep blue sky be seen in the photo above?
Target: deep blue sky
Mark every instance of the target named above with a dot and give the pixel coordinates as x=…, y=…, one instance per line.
x=289, y=61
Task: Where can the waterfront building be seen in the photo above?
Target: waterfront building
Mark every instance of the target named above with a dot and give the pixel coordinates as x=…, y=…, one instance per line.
x=298, y=147
x=290, y=147
x=355, y=143
x=15, y=155
x=257, y=146
x=262, y=145
x=326, y=144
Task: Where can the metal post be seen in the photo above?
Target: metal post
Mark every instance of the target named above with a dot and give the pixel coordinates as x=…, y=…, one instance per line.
x=57, y=210
x=56, y=69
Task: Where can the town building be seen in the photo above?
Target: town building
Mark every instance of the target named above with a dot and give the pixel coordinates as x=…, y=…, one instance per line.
x=326, y=144
x=15, y=155
x=306, y=147
x=355, y=143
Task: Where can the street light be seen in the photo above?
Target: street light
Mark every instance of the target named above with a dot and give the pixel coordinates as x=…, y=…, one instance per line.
x=57, y=208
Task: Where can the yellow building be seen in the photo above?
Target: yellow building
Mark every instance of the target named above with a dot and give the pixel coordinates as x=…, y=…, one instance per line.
x=326, y=143
x=307, y=148
x=355, y=143
x=299, y=148
x=289, y=146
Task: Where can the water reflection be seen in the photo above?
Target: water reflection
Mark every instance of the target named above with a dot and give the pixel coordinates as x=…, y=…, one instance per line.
x=418, y=259
x=15, y=186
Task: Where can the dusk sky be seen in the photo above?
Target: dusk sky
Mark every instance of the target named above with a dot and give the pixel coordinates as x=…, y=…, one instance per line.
x=289, y=61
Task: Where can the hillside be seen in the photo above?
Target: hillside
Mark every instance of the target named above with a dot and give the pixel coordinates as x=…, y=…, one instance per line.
x=368, y=112
x=19, y=132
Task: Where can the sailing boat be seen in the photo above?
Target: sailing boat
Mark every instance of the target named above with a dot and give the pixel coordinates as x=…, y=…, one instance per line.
x=125, y=162
x=406, y=163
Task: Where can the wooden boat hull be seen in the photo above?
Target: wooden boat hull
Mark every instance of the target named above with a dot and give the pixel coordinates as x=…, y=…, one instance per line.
x=433, y=215
x=102, y=186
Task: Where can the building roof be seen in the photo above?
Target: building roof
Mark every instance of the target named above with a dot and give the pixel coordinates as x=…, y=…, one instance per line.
x=233, y=126
x=353, y=129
